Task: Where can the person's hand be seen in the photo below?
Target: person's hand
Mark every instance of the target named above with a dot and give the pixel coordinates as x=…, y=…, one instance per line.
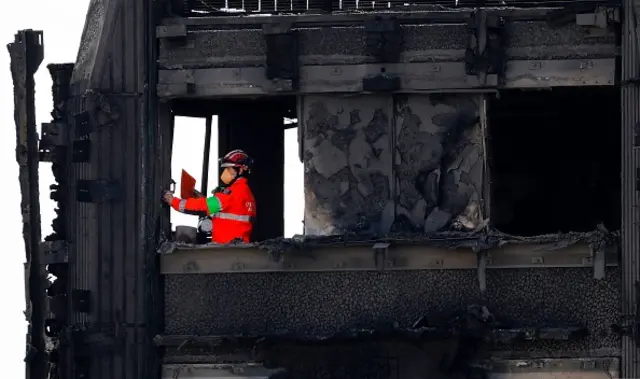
x=167, y=197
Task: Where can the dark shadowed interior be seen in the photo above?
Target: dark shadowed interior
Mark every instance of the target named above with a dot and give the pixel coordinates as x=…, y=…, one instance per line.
x=256, y=126
x=554, y=159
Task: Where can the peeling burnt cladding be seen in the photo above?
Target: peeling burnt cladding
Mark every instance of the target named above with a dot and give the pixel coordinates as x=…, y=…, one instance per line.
x=453, y=344
x=26, y=55
x=54, y=148
x=350, y=165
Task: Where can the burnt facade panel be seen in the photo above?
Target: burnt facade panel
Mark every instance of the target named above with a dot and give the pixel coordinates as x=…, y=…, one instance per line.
x=113, y=242
x=439, y=163
x=347, y=45
x=630, y=108
x=26, y=56
x=392, y=163
x=306, y=304
x=348, y=159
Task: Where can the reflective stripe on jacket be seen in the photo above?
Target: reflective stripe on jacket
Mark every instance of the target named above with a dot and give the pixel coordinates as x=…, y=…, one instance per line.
x=233, y=211
x=237, y=213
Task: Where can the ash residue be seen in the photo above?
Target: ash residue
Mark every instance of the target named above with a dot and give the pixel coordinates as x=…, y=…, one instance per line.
x=485, y=239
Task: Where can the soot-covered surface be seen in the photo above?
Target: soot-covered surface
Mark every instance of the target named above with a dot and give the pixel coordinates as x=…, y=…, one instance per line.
x=358, y=180
x=439, y=162
x=348, y=160
x=309, y=304
x=420, y=43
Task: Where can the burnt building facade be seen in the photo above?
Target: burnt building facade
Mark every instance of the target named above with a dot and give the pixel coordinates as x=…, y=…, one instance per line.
x=470, y=189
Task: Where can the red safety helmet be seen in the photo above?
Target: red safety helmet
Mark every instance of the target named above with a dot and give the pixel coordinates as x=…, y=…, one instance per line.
x=237, y=159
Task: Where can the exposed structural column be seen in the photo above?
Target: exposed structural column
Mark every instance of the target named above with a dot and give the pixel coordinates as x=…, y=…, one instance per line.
x=26, y=55
x=114, y=210
x=630, y=102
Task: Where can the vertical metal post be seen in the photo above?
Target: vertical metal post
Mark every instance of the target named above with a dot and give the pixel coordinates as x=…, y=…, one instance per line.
x=207, y=153
x=630, y=103
x=27, y=52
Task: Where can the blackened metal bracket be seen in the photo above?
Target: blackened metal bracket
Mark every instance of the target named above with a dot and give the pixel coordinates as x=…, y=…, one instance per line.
x=598, y=261
x=54, y=134
x=380, y=252
x=175, y=33
x=283, y=67
x=179, y=8
x=383, y=38
x=96, y=111
x=54, y=252
x=483, y=261
x=485, y=54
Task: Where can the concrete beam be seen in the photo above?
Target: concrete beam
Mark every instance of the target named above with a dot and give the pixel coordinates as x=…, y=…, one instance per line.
x=556, y=368
x=208, y=259
x=445, y=77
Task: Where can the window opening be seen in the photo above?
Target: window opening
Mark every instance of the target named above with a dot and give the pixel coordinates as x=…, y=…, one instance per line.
x=554, y=160
x=188, y=154
x=293, y=182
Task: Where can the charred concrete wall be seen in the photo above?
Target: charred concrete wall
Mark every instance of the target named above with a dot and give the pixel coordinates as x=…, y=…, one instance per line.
x=347, y=45
x=402, y=163
x=114, y=213
x=325, y=303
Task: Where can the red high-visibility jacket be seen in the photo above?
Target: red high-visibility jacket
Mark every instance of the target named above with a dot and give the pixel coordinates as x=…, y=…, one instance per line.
x=233, y=211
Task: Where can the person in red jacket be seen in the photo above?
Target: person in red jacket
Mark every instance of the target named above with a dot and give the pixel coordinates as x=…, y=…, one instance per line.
x=232, y=206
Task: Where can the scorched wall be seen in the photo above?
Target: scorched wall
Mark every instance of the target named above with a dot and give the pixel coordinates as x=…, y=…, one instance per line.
x=324, y=303
x=404, y=163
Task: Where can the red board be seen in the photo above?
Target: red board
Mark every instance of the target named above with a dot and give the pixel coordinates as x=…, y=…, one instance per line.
x=187, y=185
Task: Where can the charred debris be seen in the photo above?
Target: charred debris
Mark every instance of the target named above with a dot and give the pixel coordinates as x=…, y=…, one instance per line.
x=457, y=345
x=46, y=270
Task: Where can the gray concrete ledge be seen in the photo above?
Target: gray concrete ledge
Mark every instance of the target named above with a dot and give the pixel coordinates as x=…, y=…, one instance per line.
x=207, y=259
x=414, y=78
